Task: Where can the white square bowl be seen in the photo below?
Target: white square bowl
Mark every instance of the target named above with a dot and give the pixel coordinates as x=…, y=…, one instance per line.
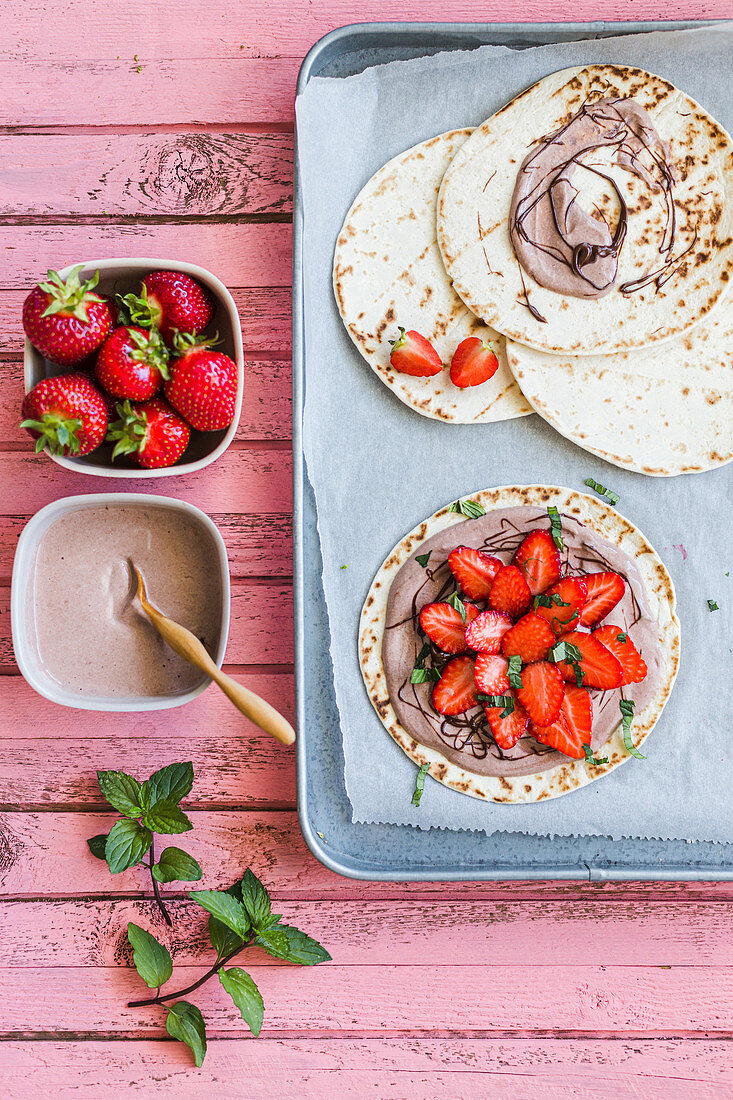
x=24, y=644
x=118, y=277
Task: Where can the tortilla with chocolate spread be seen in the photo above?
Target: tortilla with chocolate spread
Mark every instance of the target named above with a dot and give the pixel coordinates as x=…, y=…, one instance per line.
x=460, y=750
x=593, y=213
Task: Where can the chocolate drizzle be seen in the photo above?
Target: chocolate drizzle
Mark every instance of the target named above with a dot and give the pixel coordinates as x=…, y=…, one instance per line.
x=560, y=245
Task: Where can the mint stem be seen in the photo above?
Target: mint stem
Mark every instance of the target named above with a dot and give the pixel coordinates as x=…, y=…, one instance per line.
x=156, y=887
x=158, y=1000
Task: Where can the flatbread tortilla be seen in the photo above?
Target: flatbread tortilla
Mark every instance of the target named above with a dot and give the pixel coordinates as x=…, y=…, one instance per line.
x=662, y=410
x=613, y=529
x=387, y=271
x=476, y=193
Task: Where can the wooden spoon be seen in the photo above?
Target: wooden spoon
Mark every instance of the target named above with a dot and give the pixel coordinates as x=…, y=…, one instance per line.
x=188, y=646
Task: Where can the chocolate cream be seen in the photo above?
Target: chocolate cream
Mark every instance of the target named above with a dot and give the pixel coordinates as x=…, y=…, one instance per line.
x=562, y=246
x=465, y=739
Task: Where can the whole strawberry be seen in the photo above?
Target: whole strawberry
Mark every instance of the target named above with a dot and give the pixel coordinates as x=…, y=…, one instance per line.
x=132, y=362
x=151, y=433
x=171, y=302
x=67, y=415
x=64, y=319
x=202, y=384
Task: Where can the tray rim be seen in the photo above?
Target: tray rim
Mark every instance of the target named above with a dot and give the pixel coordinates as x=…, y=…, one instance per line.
x=580, y=871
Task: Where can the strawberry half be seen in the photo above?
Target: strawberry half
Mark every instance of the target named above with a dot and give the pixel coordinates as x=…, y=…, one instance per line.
x=542, y=692
x=632, y=663
x=507, y=731
x=539, y=560
x=490, y=674
x=486, y=631
x=599, y=666
x=413, y=354
x=474, y=571
x=473, y=362
x=510, y=592
x=444, y=625
x=572, y=728
x=604, y=592
x=530, y=638
x=455, y=691
x=573, y=593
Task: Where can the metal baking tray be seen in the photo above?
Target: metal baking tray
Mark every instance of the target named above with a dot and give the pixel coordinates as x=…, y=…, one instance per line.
x=400, y=852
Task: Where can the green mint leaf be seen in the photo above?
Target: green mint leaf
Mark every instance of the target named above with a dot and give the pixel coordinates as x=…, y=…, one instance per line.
x=152, y=961
x=420, y=784
x=171, y=783
x=579, y=674
x=505, y=701
x=591, y=759
x=470, y=508
x=256, y=899
x=293, y=945
x=223, y=940
x=225, y=908
x=424, y=652
x=627, y=716
x=423, y=559
x=514, y=671
x=555, y=527
x=455, y=601
x=185, y=1022
x=621, y=637
x=712, y=606
x=423, y=675
x=608, y=494
x=175, y=865
x=97, y=845
x=167, y=817
x=126, y=845
x=558, y=652
x=543, y=600
x=246, y=996
x=121, y=791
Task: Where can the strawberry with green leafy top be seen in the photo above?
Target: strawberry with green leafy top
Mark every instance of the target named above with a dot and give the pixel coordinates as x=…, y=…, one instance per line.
x=151, y=433
x=132, y=362
x=170, y=301
x=65, y=319
x=413, y=354
x=66, y=415
x=203, y=384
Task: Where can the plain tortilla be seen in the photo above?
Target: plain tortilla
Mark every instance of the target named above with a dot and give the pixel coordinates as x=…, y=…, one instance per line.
x=662, y=410
x=614, y=529
x=388, y=271
x=475, y=198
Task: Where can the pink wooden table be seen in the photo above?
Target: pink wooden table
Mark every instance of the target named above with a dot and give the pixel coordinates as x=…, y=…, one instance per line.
x=167, y=130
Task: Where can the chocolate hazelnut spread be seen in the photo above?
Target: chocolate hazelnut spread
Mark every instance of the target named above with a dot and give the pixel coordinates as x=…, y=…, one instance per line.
x=465, y=739
x=561, y=245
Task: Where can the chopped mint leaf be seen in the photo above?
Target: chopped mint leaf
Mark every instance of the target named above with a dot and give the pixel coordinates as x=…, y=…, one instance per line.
x=419, y=784
x=423, y=675
x=424, y=652
x=514, y=671
x=423, y=559
x=591, y=759
x=543, y=600
x=608, y=494
x=712, y=606
x=627, y=716
x=455, y=601
x=555, y=527
x=344, y=567
x=505, y=701
x=469, y=508
x=621, y=637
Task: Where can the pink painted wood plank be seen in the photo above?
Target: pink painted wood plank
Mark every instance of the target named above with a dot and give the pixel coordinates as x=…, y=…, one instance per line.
x=241, y=254
x=332, y=999
x=260, y=630
x=146, y=174
x=90, y=933
x=327, y=1069
x=264, y=312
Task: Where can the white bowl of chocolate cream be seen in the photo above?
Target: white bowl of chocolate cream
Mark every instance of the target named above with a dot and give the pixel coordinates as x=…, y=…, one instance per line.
x=80, y=637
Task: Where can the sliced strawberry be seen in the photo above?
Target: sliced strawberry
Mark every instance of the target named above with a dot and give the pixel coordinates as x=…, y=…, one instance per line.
x=455, y=691
x=473, y=362
x=604, y=592
x=507, y=731
x=529, y=638
x=541, y=693
x=490, y=674
x=444, y=625
x=474, y=571
x=620, y=644
x=484, y=634
x=599, y=666
x=573, y=593
x=539, y=560
x=413, y=354
x=572, y=728
x=510, y=592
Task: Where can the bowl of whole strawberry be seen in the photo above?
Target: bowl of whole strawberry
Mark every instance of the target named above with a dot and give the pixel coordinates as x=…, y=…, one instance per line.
x=133, y=367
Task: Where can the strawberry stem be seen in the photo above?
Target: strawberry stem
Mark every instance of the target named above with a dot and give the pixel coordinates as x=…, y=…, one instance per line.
x=55, y=432
x=70, y=295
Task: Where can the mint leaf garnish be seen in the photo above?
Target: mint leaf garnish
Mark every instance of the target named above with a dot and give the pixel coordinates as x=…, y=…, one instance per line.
x=712, y=606
x=608, y=494
x=152, y=961
x=246, y=996
x=470, y=508
x=423, y=559
x=591, y=759
x=171, y=783
x=167, y=817
x=127, y=843
x=621, y=637
x=514, y=671
x=555, y=527
x=543, y=600
x=505, y=701
x=227, y=909
x=420, y=784
x=175, y=865
x=424, y=675
x=97, y=844
x=255, y=899
x=455, y=601
x=627, y=715
x=121, y=791
x=185, y=1022
x=293, y=945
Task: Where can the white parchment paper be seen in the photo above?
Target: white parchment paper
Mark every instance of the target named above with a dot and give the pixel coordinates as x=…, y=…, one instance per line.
x=378, y=468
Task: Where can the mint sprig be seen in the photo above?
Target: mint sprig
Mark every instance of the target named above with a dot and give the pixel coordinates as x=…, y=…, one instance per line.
x=423, y=559
x=556, y=527
x=627, y=716
x=591, y=759
x=608, y=494
x=419, y=784
x=469, y=508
